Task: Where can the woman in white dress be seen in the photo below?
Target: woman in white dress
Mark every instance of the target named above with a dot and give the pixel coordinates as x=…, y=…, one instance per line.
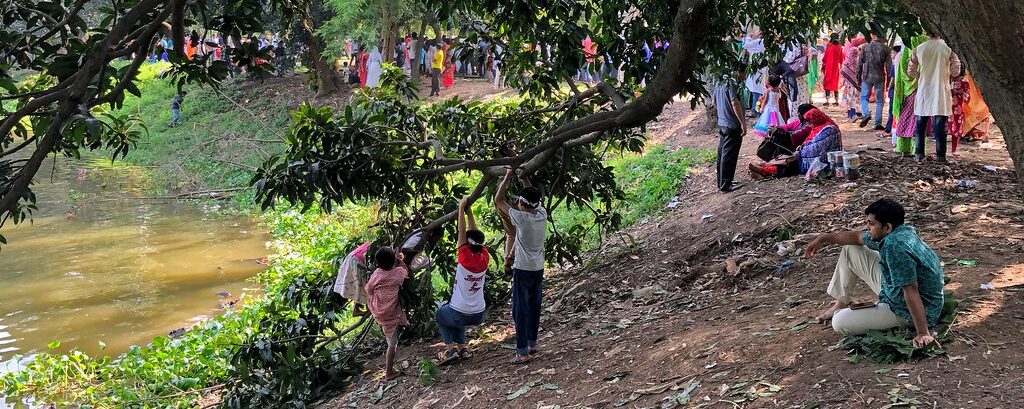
x=373, y=68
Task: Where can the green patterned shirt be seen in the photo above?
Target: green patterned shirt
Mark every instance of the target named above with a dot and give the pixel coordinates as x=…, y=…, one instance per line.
x=906, y=260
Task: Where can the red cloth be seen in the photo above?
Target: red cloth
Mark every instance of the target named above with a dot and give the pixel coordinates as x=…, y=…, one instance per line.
x=589, y=49
x=383, y=303
x=831, y=63
x=448, y=75
x=798, y=133
x=363, y=58
x=474, y=262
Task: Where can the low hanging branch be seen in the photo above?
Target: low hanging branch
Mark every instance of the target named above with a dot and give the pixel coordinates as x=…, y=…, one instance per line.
x=689, y=33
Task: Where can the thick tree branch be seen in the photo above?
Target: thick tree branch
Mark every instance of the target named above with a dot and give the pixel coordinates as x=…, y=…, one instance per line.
x=140, y=48
x=67, y=19
x=178, y=26
x=11, y=120
x=76, y=95
x=690, y=27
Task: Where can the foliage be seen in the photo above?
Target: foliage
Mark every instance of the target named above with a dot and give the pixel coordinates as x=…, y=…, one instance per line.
x=76, y=52
x=363, y=21
x=895, y=345
x=217, y=143
x=428, y=371
x=649, y=180
x=166, y=373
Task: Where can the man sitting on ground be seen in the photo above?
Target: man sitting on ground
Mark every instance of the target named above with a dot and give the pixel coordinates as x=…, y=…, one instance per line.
x=898, y=266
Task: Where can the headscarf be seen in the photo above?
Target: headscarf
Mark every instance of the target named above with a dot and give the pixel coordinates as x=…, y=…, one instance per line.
x=905, y=84
x=850, y=63
x=819, y=120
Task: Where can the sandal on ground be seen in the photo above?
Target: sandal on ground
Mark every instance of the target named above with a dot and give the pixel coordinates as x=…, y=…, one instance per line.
x=520, y=359
x=447, y=356
x=464, y=353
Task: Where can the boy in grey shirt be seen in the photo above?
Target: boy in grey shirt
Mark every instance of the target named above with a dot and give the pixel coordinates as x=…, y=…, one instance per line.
x=530, y=221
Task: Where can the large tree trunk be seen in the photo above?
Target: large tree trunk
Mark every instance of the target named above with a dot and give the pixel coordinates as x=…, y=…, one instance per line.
x=327, y=79
x=987, y=35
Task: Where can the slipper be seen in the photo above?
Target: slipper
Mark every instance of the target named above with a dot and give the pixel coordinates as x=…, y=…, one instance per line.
x=465, y=354
x=446, y=357
x=520, y=359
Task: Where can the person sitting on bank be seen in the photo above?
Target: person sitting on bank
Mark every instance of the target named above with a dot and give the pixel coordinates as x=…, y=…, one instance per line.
x=898, y=266
x=824, y=137
x=467, y=303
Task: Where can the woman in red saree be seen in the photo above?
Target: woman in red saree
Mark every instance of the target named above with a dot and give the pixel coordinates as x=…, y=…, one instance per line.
x=364, y=57
x=448, y=76
x=831, y=63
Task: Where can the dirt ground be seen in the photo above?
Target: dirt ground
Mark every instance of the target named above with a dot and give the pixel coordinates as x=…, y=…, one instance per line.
x=642, y=325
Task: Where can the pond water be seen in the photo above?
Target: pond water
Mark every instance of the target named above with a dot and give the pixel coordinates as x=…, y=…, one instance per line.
x=101, y=263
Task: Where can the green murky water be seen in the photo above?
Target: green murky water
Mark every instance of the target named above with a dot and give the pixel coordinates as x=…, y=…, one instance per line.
x=101, y=264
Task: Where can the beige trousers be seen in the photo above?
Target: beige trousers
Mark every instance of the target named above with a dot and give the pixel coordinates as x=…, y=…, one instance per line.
x=859, y=263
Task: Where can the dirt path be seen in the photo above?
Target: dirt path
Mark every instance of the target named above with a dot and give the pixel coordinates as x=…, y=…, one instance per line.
x=647, y=324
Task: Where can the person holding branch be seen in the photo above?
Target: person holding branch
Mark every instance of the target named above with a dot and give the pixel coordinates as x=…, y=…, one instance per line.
x=467, y=303
x=530, y=221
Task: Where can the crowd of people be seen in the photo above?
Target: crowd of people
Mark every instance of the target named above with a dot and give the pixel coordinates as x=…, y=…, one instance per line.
x=217, y=48
x=525, y=221
x=419, y=56
x=929, y=90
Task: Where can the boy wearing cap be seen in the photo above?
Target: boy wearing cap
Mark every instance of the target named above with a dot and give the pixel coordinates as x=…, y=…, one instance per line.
x=530, y=221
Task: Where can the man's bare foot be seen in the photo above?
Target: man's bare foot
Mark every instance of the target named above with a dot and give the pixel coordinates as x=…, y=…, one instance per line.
x=831, y=311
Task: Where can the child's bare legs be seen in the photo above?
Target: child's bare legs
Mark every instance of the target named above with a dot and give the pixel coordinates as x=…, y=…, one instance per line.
x=389, y=358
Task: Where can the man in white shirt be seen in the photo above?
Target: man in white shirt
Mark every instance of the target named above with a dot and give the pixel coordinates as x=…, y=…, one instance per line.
x=530, y=221
x=934, y=64
x=754, y=45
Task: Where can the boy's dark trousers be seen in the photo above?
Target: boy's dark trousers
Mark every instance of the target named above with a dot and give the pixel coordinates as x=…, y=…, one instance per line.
x=729, y=142
x=435, y=81
x=526, y=296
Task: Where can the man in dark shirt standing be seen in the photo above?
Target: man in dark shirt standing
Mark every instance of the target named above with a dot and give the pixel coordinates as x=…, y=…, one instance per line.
x=871, y=74
x=731, y=127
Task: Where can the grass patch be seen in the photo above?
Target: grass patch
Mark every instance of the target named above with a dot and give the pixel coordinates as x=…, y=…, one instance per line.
x=217, y=144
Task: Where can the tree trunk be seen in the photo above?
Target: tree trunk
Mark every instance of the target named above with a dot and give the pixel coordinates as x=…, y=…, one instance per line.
x=986, y=35
x=327, y=79
x=389, y=32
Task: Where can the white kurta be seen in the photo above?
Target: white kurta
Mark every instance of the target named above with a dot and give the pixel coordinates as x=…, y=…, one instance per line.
x=755, y=82
x=934, y=96
x=373, y=69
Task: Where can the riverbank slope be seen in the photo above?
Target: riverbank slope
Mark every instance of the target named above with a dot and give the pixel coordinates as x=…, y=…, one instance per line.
x=661, y=321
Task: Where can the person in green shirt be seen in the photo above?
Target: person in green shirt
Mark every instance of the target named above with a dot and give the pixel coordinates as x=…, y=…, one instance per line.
x=898, y=266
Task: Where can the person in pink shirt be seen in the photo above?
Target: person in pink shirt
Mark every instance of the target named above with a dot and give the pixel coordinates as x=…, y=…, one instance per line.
x=382, y=290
